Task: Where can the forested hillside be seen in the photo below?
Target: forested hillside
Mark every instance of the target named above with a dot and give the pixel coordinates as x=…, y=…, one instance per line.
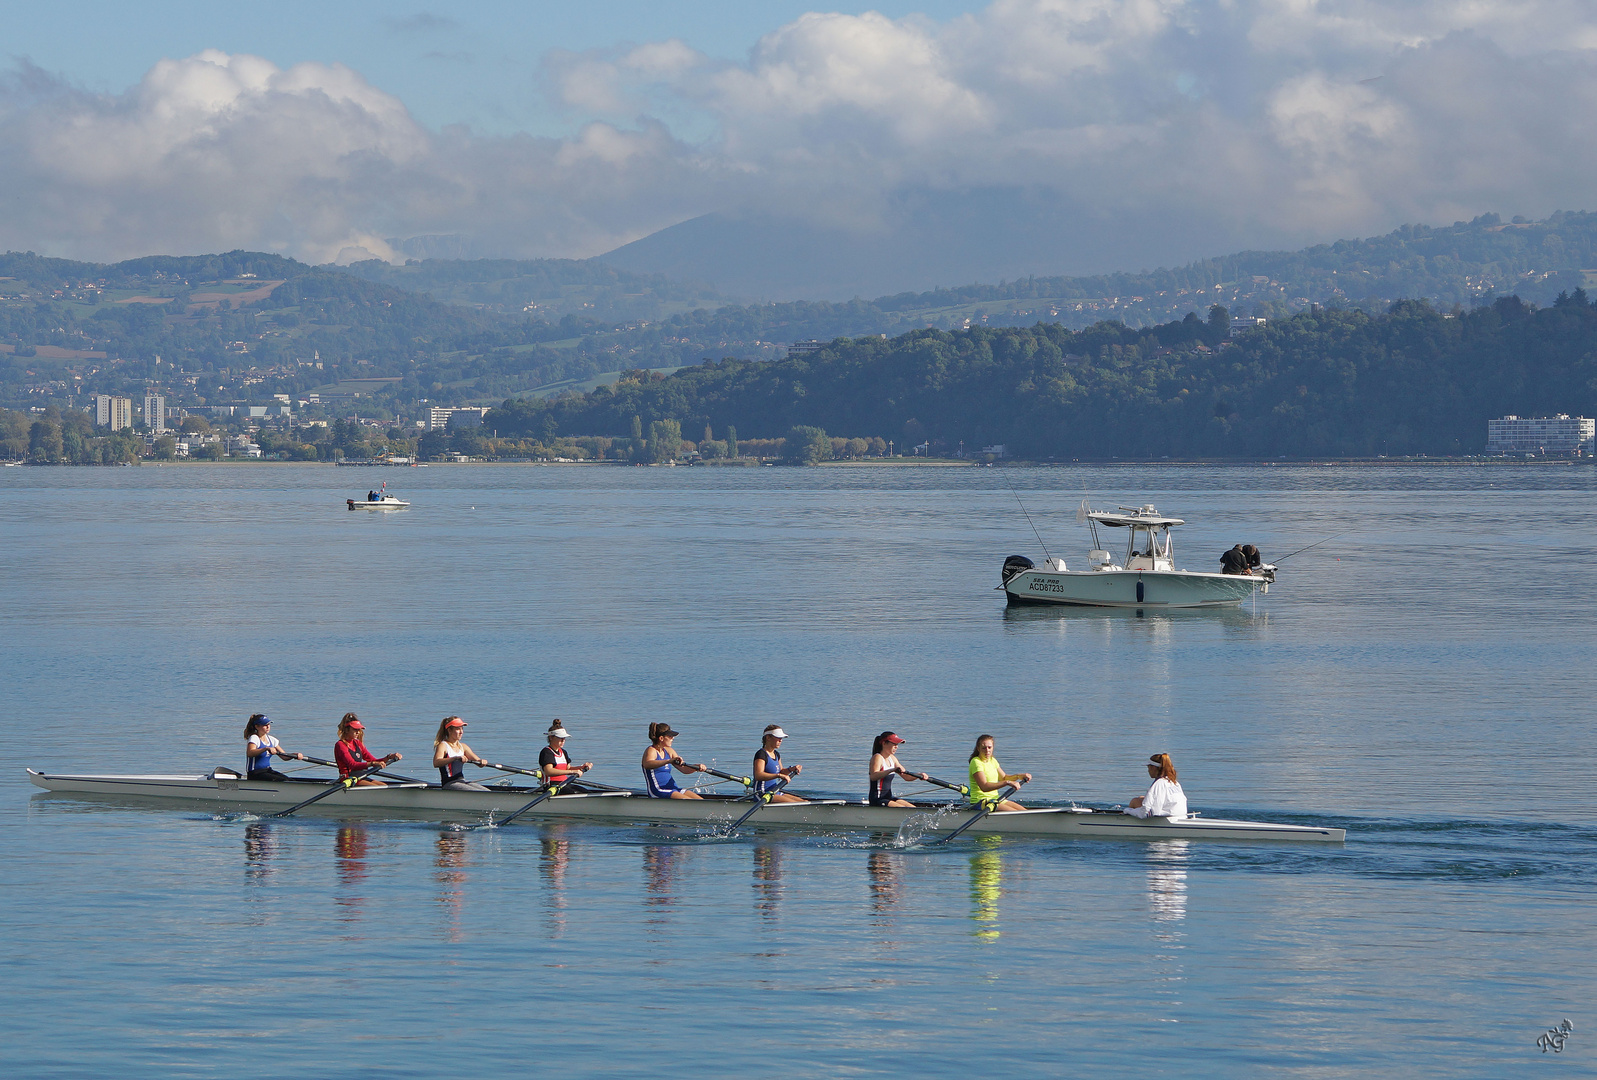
x=1321, y=383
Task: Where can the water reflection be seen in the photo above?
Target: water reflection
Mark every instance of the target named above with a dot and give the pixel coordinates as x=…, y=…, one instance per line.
x=887, y=882
x=555, y=861
x=767, y=879
x=350, y=844
x=986, y=886
x=1167, y=903
x=450, y=861
x=662, y=864
x=260, y=847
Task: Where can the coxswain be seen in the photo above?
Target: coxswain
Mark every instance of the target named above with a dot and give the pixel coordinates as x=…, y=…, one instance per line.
x=450, y=755
x=658, y=761
x=885, y=766
x=553, y=762
x=351, y=754
x=1165, y=798
x=768, y=770
x=260, y=748
x=988, y=778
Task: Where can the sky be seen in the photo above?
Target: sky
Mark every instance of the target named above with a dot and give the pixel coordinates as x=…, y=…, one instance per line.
x=565, y=130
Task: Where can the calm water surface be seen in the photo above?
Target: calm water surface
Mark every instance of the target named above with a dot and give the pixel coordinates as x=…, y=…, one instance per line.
x=1424, y=680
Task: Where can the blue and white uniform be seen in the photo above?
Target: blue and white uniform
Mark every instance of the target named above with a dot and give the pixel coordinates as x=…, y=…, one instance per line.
x=660, y=781
x=773, y=764
x=258, y=752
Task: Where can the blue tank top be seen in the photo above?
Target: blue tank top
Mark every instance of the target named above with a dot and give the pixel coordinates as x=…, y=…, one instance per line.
x=773, y=763
x=660, y=782
x=264, y=760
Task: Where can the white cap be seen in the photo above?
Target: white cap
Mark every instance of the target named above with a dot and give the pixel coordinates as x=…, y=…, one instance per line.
x=558, y=733
x=776, y=732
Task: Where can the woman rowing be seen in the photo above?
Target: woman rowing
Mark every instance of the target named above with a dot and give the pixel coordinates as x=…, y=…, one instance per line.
x=351, y=754
x=260, y=748
x=450, y=755
x=988, y=778
x=769, y=775
x=885, y=766
x=553, y=761
x=1165, y=798
x=658, y=761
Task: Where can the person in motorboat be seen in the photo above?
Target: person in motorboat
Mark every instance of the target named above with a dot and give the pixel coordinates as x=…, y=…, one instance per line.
x=988, y=778
x=768, y=769
x=1255, y=560
x=1165, y=798
x=1234, y=561
x=371, y=496
x=553, y=761
x=658, y=761
x=260, y=748
x=450, y=755
x=885, y=766
x=351, y=754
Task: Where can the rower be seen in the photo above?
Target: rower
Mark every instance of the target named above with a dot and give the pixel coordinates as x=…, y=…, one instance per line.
x=659, y=759
x=450, y=755
x=552, y=760
x=351, y=754
x=768, y=770
x=884, y=766
x=1165, y=798
x=987, y=778
x=260, y=747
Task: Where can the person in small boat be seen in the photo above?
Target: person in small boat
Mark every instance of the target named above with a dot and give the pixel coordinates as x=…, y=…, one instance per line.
x=1165, y=797
x=351, y=754
x=885, y=766
x=658, y=761
x=1234, y=561
x=371, y=496
x=988, y=778
x=768, y=769
x=450, y=755
x=1255, y=560
x=260, y=748
x=553, y=761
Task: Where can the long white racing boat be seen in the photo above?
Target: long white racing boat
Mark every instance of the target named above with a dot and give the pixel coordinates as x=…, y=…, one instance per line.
x=225, y=790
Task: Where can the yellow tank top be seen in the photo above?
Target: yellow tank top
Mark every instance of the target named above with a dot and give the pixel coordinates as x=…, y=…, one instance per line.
x=988, y=770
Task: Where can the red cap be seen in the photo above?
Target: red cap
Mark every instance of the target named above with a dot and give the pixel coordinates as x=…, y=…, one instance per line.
x=890, y=737
x=357, y=725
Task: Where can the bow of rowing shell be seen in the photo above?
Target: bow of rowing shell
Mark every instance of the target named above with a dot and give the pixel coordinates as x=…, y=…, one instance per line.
x=428, y=800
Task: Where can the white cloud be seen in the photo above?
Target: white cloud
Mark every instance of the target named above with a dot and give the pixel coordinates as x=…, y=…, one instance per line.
x=1283, y=120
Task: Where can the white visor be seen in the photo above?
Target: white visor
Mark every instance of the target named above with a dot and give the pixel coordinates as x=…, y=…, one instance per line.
x=777, y=733
x=560, y=733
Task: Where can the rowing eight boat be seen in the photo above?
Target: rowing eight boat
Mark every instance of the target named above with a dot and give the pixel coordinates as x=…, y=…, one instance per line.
x=225, y=789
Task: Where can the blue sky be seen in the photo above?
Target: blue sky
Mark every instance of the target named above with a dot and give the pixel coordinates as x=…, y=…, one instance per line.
x=1131, y=132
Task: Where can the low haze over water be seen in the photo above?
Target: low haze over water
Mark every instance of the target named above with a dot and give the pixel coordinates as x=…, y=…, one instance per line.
x=1424, y=680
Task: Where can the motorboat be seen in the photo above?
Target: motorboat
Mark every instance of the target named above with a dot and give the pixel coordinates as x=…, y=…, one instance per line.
x=1145, y=577
x=378, y=500
x=224, y=789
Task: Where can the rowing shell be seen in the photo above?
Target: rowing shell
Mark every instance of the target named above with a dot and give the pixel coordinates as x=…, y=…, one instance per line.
x=429, y=800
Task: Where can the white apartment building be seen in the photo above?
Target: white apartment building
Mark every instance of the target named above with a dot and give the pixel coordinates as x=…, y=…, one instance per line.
x=438, y=419
x=155, y=413
x=115, y=413
x=1540, y=434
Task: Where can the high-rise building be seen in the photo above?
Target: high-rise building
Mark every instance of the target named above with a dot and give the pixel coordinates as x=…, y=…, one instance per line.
x=111, y=412
x=155, y=413
x=1559, y=434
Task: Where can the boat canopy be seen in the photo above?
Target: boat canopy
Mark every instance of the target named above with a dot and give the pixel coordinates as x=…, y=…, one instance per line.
x=1128, y=517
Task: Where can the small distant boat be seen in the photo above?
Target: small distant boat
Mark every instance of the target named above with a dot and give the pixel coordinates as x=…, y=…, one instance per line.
x=1145, y=578
x=378, y=500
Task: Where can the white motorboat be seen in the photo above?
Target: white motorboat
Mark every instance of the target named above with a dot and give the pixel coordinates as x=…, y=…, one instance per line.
x=378, y=500
x=1146, y=577
x=224, y=789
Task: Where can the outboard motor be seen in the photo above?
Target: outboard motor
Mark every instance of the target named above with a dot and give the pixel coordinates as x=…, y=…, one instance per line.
x=1015, y=564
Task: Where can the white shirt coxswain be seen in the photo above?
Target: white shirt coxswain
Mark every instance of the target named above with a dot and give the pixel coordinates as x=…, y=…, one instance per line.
x=1164, y=799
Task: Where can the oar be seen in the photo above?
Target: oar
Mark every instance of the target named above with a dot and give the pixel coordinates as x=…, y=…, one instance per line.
x=539, y=775
x=760, y=799
x=987, y=808
x=746, y=781
x=961, y=788
x=342, y=784
x=389, y=775
x=553, y=789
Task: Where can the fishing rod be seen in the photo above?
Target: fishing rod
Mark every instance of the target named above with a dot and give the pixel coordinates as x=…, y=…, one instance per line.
x=1030, y=522
x=1301, y=550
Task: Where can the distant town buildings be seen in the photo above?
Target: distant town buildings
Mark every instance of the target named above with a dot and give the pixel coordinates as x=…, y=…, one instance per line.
x=155, y=413
x=1540, y=434
x=115, y=413
x=442, y=419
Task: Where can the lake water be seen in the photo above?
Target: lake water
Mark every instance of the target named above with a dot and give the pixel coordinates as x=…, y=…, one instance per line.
x=1424, y=680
